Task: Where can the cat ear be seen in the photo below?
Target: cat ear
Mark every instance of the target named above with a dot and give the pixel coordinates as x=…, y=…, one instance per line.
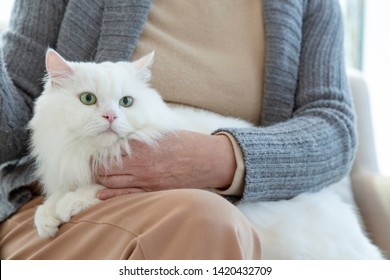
x=142, y=66
x=57, y=68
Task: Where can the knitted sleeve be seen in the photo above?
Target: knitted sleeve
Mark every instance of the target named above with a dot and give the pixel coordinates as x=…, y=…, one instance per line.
x=33, y=27
x=315, y=145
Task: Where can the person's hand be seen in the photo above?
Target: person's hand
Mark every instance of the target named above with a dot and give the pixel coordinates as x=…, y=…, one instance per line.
x=180, y=160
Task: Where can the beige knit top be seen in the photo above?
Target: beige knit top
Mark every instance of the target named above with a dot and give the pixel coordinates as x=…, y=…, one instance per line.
x=209, y=54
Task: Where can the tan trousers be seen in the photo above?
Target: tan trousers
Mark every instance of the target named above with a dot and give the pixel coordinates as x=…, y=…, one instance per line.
x=174, y=224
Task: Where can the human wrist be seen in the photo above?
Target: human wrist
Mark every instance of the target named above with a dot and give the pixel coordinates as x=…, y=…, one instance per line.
x=226, y=162
x=236, y=188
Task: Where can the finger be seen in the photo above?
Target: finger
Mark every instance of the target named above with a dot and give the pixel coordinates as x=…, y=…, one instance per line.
x=109, y=193
x=117, y=181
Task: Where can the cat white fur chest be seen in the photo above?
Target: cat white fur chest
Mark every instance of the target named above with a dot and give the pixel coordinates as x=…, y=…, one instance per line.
x=85, y=118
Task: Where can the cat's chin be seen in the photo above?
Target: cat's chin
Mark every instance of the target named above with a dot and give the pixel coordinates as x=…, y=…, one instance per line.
x=107, y=138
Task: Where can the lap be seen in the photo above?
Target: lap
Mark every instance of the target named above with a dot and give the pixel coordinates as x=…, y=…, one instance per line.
x=165, y=225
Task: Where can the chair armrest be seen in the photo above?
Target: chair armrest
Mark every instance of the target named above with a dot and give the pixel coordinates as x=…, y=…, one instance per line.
x=371, y=191
x=366, y=161
x=372, y=197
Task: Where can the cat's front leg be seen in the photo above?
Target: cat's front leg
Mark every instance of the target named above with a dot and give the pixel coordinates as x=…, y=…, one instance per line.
x=74, y=202
x=45, y=219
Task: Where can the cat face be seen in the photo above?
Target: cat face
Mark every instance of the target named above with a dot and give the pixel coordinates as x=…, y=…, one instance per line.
x=99, y=103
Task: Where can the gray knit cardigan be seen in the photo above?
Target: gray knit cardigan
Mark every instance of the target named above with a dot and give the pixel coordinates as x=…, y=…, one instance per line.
x=307, y=138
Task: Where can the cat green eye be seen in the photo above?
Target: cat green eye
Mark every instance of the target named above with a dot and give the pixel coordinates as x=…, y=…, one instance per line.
x=88, y=98
x=126, y=101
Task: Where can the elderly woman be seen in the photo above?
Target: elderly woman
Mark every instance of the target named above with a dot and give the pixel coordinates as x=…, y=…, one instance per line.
x=276, y=63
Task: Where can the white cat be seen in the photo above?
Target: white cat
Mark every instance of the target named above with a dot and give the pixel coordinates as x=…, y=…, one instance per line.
x=84, y=119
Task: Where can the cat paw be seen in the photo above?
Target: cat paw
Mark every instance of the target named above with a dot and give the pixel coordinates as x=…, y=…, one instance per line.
x=72, y=204
x=45, y=222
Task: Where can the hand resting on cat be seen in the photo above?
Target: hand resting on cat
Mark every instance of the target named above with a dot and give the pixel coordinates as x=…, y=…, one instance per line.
x=91, y=117
x=183, y=159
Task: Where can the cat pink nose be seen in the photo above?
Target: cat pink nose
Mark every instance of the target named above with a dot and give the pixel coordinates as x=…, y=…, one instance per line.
x=110, y=116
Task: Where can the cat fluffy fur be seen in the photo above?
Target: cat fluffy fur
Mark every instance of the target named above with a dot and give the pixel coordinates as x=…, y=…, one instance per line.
x=70, y=139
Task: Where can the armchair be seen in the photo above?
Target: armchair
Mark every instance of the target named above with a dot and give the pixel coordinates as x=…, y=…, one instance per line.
x=371, y=190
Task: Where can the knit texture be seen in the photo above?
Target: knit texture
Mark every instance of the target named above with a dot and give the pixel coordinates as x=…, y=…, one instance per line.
x=14, y=114
x=307, y=139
